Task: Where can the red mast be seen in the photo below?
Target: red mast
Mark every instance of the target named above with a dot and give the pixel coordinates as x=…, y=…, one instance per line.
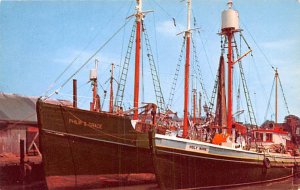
x=230, y=25
x=187, y=72
x=200, y=96
x=229, y=34
x=194, y=91
x=111, y=89
x=139, y=16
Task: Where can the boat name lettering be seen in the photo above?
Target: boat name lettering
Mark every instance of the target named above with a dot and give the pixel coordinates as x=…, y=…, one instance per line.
x=196, y=148
x=85, y=123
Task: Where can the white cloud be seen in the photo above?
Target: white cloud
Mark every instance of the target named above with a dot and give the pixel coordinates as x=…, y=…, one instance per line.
x=167, y=28
x=279, y=44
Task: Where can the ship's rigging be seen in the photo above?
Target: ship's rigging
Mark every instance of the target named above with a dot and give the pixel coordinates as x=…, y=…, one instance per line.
x=162, y=105
x=138, y=29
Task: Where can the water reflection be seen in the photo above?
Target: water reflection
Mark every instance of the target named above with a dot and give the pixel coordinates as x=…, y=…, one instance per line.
x=288, y=184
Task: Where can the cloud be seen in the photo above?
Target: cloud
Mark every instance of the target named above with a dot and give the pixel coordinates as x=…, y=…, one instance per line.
x=167, y=28
x=279, y=44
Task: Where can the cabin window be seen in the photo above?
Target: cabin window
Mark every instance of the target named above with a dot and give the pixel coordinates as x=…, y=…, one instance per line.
x=269, y=137
x=259, y=136
x=298, y=130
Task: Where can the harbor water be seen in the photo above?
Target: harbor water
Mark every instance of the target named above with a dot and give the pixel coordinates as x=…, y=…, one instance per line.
x=288, y=184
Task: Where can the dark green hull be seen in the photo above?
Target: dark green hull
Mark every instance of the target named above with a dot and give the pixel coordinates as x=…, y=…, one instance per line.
x=83, y=146
x=180, y=169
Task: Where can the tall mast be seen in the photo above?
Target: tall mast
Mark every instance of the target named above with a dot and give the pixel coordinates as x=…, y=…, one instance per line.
x=200, y=97
x=187, y=70
x=111, y=89
x=139, y=16
x=230, y=67
x=276, y=96
x=194, y=91
x=95, y=105
x=230, y=25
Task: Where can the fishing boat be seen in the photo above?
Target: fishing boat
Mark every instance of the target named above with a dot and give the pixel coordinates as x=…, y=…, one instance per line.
x=231, y=153
x=95, y=148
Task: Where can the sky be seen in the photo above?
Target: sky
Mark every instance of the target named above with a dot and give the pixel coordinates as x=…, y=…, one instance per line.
x=40, y=39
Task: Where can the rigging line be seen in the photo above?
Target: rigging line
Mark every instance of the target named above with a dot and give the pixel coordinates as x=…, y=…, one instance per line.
x=86, y=62
x=285, y=102
x=65, y=70
x=104, y=97
x=79, y=87
x=245, y=87
x=71, y=95
x=142, y=58
x=123, y=41
x=269, y=102
x=174, y=82
x=164, y=10
x=70, y=147
x=156, y=47
x=199, y=70
x=259, y=78
x=269, y=63
x=76, y=58
x=203, y=45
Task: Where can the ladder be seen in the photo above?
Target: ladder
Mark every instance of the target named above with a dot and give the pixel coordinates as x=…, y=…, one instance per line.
x=156, y=83
x=245, y=87
x=123, y=77
x=214, y=92
x=173, y=86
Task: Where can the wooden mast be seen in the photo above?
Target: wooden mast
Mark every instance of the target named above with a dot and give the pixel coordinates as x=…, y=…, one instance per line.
x=139, y=16
x=220, y=118
x=276, y=96
x=74, y=93
x=187, y=71
x=95, y=105
x=111, y=109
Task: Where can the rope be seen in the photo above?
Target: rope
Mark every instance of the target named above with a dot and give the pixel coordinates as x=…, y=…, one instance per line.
x=76, y=58
x=269, y=102
x=97, y=130
x=123, y=40
x=71, y=150
x=285, y=102
x=164, y=10
x=203, y=46
x=199, y=71
x=269, y=63
x=89, y=59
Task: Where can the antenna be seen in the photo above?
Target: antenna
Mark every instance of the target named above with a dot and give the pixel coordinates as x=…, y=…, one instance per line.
x=229, y=4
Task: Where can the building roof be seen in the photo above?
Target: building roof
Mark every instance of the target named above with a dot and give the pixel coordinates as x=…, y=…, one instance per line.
x=17, y=108
x=21, y=109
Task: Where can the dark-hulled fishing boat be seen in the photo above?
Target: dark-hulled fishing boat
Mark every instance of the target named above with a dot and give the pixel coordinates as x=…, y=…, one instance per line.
x=231, y=158
x=93, y=148
x=82, y=147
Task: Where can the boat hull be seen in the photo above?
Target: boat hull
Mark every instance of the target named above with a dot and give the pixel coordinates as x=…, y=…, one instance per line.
x=86, y=147
x=179, y=167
